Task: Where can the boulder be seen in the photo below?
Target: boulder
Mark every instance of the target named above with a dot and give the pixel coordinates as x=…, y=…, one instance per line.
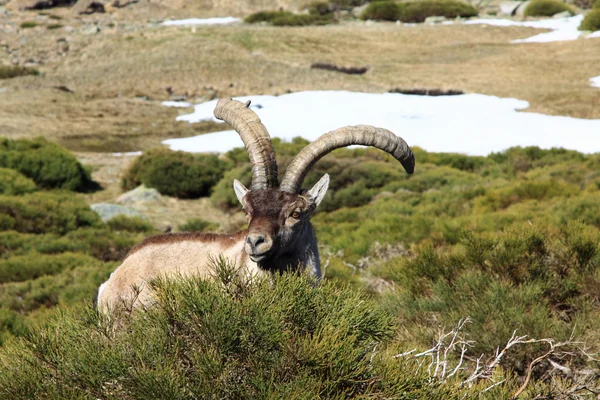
x=564, y=14
x=521, y=9
x=140, y=194
x=434, y=20
x=108, y=211
x=509, y=8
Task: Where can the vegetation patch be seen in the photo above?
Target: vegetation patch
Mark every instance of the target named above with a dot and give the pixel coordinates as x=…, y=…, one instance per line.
x=418, y=11
x=197, y=225
x=381, y=11
x=344, y=70
x=47, y=164
x=591, y=21
x=286, y=18
x=546, y=8
x=28, y=24
x=176, y=174
x=13, y=183
x=12, y=71
x=428, y=92
x=46, y=212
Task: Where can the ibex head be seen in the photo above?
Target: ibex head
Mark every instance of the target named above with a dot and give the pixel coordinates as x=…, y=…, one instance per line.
x=279, y=228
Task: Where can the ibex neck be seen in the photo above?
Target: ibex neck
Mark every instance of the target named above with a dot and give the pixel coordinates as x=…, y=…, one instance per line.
x=305, y=255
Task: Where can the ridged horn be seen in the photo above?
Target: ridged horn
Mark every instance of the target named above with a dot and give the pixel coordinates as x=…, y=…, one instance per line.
x=256, y=139
x=361, y=135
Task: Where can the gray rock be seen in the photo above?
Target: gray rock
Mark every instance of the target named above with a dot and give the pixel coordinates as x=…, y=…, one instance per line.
x=356, y=11
x=140, y=194
x=434, y=20
x=564, y=14
x=521, y=9
x=509, y=7
x=108, y=211
x=90, y=30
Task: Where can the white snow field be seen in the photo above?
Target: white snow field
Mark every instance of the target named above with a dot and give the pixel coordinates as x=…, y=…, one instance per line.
x=562, y=28
x=201, y=21
x=595, y=81
x=474, y=124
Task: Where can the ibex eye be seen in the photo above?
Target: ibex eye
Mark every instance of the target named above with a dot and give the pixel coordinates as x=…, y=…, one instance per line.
x=295, y=215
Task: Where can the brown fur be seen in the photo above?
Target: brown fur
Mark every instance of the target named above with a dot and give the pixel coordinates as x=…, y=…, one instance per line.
x=170, y=238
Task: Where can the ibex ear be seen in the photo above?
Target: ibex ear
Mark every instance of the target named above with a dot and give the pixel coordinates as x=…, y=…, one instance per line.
x=240, y=191
x=318, y=191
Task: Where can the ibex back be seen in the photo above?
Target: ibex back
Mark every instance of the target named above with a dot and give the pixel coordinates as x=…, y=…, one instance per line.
x=279, y=236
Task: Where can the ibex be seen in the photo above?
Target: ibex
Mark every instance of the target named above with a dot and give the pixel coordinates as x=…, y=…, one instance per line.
x=279, y=234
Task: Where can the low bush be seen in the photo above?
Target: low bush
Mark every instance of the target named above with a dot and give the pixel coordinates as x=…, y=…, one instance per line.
x=123, y=223
x=54, y=26
x=418, y=11
x=176, y=174
x=546, y=8
x=381, y=11
x=319, y=8
x=197, y=225
x=531, y=279
x=46, y=212
x=47, y=164
x=99, y=243
x=591, y=21
x=225, y=339
x=32, y=266
x=223, y=195
x=536, y=190
x=286, y=18
x=28, y=24
x=9, y=71
x=13, y=183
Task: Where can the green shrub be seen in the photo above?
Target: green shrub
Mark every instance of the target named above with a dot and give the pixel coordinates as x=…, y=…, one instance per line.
x=9, y=71
x=596, y=4
x=319, y=8
x=418, y=11
x=216, y=340
x=28, y=24
x=79, y=282
x=176, y=174
x=32, y=266
x=223, y=195
x=591, y=21
x=46, y=212
x=13, y=183
x=129, y=224
x=47, y=164
x=537, y=190
x=261, y=16
x=546, y=8
x=54, y=26
x=381, y=11
x=286, y=18
x=197, y=225
x=97, y=242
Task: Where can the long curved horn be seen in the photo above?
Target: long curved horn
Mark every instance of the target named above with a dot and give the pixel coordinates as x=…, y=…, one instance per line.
x=256, y=139
x=362, y=135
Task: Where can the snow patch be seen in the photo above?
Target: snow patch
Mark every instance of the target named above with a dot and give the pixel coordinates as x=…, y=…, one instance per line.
x=181, y=104
x=474, y=124
x=128, y=154
x=202, y=21
x=562, y=28
x=595, y=81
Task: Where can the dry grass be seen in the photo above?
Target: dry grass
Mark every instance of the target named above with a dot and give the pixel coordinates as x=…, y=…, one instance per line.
x=109, y=72
x=120, y=76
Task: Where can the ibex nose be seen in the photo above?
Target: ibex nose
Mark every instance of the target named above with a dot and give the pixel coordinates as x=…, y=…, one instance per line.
x=258, y=243
x=255, y=240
